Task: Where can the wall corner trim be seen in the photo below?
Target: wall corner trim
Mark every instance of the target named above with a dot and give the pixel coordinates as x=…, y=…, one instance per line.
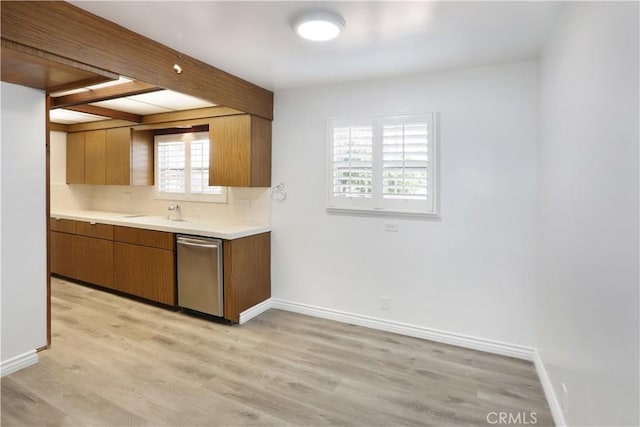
x=460, y=340
x=549, y=391
x=19, y=362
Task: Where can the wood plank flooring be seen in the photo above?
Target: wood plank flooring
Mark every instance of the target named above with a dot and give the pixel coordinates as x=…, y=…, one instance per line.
x=118, y=362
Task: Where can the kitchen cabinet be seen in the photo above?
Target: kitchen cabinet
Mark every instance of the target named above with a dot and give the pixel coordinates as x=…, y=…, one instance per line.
x=118, y=156
x=62, y=261
x=95, y=150
x=129, y=157
x=75, y=158
x=247, y=273
x=82, y=251
x=144, y=264
x=240, y=154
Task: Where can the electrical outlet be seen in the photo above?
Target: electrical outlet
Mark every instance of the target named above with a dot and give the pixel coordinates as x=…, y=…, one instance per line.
x=243, y=203
x=391, y=226
x=384, y=303
x=564, y=399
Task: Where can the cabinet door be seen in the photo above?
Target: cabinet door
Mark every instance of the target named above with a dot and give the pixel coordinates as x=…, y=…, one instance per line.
x=118, y=156
x=240, y=154
x=75, y=158
x=94, y=260
x=145, y=272
x=94, y=157
x=62, y=261
x=142, y=157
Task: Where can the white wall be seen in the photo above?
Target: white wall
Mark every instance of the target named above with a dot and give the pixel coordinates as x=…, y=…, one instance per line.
x=587, y=322
x=472, y=272
x=23, y=212
x=244, y=205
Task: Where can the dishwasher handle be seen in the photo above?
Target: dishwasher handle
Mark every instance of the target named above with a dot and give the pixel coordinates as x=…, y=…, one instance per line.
x=197, y=243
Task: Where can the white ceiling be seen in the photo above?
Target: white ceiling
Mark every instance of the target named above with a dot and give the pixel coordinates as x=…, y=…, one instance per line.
x=254, y=40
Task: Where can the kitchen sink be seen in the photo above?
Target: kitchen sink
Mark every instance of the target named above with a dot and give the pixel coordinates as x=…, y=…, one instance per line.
x=135, y=216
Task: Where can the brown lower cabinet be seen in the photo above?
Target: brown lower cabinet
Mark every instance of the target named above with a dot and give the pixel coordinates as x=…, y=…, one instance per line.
x=145, y=272
x=135, y=261
x=247, y=273
x=82, y=258
x=142, y=263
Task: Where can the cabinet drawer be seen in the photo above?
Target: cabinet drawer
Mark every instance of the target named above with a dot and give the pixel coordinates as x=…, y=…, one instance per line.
x=138, y=236
x=62, y=225
x=99, y=231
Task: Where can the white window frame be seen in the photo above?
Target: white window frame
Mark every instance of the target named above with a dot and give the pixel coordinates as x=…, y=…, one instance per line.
x=187, y=195
x=377, y=205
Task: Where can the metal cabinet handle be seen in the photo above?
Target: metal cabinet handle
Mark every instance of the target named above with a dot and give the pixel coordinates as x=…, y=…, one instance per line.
x=198, y=245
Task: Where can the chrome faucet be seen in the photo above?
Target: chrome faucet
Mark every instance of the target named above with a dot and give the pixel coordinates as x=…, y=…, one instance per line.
x=178, y=212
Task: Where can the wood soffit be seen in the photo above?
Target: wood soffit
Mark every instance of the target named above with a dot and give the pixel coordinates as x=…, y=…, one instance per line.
x=66, y=31
x=34, y=68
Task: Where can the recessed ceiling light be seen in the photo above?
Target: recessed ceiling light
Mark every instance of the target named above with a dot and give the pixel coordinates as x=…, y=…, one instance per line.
x=318, y=25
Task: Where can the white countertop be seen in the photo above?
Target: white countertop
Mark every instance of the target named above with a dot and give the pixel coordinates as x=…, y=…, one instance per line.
x=194, y=226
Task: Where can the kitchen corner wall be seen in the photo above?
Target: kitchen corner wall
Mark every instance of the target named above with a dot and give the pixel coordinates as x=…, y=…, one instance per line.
x=471, y=272
x=245, y=205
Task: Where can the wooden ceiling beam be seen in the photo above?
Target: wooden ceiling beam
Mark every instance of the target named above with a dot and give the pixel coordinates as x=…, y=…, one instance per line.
x=27, y=66
x=70, y=32
x=103, y=94
x=106, y=112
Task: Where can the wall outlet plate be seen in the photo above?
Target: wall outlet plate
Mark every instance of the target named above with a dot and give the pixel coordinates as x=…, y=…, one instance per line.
x=384, y=303
x=391, y=226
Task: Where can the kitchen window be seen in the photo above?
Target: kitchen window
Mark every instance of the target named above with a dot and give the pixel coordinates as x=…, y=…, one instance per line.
x=383, y=165
x=182, y=168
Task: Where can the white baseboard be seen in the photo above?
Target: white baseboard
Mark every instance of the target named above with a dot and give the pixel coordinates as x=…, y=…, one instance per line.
x=257, y=309
x=460, y=340
x=19, y=362
x=549, y=392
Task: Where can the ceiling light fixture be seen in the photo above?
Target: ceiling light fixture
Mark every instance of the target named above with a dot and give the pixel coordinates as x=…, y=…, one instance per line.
x=318, y=25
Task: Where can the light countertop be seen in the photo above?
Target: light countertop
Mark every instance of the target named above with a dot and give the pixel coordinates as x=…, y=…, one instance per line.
x=195, y=226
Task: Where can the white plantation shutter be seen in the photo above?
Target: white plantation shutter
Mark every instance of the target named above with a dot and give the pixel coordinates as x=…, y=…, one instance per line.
x=383, y=164
x=353, y=161
x=182, y=168
x=171, y=163
x=405, y=150
x=200, y=168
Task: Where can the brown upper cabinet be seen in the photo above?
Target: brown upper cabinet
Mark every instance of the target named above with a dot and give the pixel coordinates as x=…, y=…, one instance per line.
x=95, y=149
x=240, y=151
x=75, y=158
x=118, y=156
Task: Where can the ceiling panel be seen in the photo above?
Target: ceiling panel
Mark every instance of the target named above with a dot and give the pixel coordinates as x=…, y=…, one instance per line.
x=130, y=105
x=67, y=117
x=172, y=100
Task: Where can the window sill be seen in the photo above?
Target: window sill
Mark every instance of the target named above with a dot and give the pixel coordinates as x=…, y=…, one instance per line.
x=383, y=213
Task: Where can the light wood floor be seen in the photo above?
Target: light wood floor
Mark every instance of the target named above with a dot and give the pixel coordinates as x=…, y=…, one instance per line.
x=117, y=362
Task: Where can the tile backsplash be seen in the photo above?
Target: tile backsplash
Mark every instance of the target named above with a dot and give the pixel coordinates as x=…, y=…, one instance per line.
x=244, y=205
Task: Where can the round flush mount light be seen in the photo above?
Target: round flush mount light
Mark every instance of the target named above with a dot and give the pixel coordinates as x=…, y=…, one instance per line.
x=318, y=25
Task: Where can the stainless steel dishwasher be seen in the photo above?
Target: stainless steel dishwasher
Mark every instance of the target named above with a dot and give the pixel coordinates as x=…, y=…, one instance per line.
x=200, y=274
